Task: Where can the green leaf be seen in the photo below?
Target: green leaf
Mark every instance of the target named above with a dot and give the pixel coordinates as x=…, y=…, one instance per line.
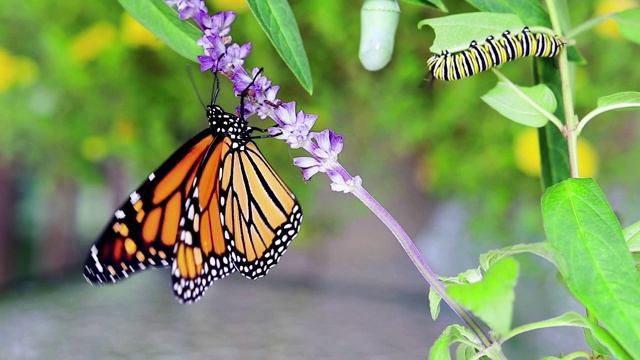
x=530, y=11
x=455, y=32
x=593, y=257
x=629, y=24
x=491, y=298
x=451, y=335
x=508, y=102
x=436, y=4
x=573, y=319
x=467, y=277
x=541, y=249
x=620, y=100
x=277, y=20
x=164, y=23
x=632, y=236
x=434, y=303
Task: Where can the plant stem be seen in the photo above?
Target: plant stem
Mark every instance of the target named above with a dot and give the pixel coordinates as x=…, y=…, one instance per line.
x=420, y=263
x=571, y=121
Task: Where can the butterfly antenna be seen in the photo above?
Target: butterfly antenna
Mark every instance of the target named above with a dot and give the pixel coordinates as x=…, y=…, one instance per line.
x=193, y=84
x=244, y=93
x=216, y=88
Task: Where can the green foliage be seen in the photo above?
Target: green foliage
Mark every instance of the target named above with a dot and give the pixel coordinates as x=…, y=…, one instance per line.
x=455, y=32
x=278, y=22
x=530, y=11
x=629, y=24
x=163, y=22
x=452, y=335
x=593, y=257
x=521, y=109
x=437, y=4
x=492, y=297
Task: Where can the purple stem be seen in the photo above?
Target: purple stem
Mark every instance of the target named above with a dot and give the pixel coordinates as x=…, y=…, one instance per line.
x=417, y=259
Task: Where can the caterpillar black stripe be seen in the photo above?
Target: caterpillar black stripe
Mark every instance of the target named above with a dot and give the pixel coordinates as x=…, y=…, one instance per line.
x=493, y=52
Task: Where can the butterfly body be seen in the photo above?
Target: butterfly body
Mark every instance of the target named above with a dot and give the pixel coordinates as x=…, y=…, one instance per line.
x=214, y=207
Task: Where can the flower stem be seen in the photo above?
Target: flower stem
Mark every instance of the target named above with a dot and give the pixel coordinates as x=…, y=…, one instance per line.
x=420, y=263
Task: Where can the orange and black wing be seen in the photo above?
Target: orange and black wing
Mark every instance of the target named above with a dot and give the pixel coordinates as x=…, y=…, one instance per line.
x=260, y=214
x=144, y=231
x=201, y=253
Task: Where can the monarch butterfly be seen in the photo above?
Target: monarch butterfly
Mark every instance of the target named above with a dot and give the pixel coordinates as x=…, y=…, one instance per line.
x=493, y=52
x=214, y=207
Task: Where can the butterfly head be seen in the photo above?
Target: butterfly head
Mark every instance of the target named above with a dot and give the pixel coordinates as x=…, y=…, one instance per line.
x=222, y=122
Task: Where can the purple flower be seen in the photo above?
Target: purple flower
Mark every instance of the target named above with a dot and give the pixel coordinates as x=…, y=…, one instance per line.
x=213, y=49
x=188, y=9
x=341, y=181
x=291, y=127
x=269, y=103
x=242, y=80
x=234, y=58
x=218, y=24
x=325, y=152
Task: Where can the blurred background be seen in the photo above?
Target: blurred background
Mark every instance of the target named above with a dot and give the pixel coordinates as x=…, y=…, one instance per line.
x=90, y=103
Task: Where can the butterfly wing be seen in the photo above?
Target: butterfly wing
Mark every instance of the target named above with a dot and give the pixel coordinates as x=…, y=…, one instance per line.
x=201, y=249
x=260, y=215
x=143, y=232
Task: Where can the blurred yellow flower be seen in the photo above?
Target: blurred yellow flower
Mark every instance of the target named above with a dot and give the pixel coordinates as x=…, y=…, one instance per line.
x=527, y=154
x=124, y=128
x=15, y=70
x=133, y=34
x=609, y=28
x=94, y=148
x=238, y=6
x=92, y=41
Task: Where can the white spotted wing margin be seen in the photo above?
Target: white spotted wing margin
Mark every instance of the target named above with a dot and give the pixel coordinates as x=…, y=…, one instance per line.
x=201, y=255
x=141, y=233
x=261, y=215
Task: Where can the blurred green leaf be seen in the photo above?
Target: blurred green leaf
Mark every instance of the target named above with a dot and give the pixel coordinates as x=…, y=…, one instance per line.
x=434, y=303
x=466, y=277
x=573, y=319
x=277, y=20
x=530, y=11
x=511, y=105
x=451, y=335
x=455, y=32
x=164, y=23
x=632, y=236
x=436, y=4
x=492, y=297
x=629, y=24
x=620, y=100
x=575, y=56
x=540, y=248
x=593, y=257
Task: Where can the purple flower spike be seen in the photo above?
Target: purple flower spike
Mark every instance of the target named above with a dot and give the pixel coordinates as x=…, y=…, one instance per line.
x=269, y=103
x=188, y=9
x=325, y=154
x=329, y=145
x=234, y=58
x=291, y=127
x=242, y=80
x=213, y=48
x=218, y=24
x=340, y=184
